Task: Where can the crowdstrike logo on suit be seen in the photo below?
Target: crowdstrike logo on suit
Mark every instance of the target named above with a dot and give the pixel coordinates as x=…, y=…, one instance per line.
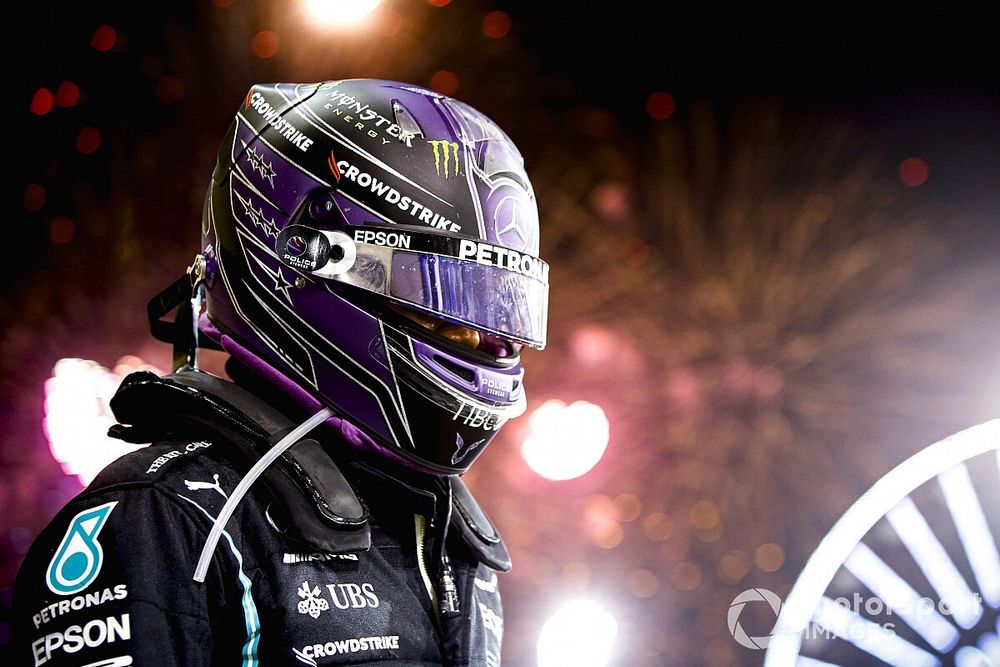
x=308, y=654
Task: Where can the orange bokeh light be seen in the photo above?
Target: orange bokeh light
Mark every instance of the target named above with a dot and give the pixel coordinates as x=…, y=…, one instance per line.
x=444, y=82
x=61, y=230
x=496, y=25
x=265, y=43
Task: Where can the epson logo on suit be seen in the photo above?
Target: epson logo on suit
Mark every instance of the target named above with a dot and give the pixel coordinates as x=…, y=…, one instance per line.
x=78, y=637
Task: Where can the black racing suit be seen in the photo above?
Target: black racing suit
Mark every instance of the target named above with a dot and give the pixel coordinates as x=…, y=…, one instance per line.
x=109, y=582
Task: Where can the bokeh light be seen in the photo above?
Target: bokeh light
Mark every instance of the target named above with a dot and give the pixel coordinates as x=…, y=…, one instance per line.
x=104, y=38
x=643, y=583
x=611, y=201
x=496, y=24
x=599, y=123
x=601, y=521
x=704, y=515
x=42, y=102
x=566, y=441
x=685, y=576
x=34, y=197
x=658, y=526
x=340, y=12
x=581, y=633
x=913, y=172
x=67, y=94
x=769, y=557
x=88, y=140
x=629, y=507
x=78, y=415
x=445, y=82
x=265, y=44
x=660, y=105
x=734, y=566
x=170, y=89
x=594, y=345
x=61, y=230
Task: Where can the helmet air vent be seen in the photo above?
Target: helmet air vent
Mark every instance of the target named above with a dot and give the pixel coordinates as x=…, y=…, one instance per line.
x=463, y=372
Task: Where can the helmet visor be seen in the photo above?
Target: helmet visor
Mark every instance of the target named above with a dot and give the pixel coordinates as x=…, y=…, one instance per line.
x=483, y=286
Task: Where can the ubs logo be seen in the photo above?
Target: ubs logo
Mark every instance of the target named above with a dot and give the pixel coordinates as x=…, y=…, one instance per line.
x=342, y=596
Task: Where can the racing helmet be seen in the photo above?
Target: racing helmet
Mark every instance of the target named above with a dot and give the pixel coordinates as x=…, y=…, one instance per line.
x=350, y=229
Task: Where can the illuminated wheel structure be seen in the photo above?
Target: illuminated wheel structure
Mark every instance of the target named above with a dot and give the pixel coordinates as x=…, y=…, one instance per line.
x=910, y=574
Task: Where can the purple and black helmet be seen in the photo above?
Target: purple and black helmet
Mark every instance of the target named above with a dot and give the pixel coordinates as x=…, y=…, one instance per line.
x=339, y=215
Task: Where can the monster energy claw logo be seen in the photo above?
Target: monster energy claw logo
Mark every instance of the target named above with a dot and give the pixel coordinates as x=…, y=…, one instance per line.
x=79, y=557
x=444, y=152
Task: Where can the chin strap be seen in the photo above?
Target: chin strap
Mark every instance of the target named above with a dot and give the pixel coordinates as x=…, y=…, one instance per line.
x=187, y=295
x=241, y=489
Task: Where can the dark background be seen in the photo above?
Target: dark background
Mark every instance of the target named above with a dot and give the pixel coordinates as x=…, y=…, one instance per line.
x=770, y=316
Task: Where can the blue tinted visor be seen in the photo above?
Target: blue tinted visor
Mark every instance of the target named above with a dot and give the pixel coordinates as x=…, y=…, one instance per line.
x=474, y=283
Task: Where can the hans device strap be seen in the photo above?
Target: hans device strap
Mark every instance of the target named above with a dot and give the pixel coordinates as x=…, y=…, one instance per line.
x=321, y=507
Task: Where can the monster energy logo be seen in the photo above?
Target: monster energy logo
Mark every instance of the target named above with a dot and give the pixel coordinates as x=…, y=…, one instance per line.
x=443, y=155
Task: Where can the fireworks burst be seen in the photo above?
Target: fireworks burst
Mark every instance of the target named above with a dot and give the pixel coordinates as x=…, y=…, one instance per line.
x=771, y=324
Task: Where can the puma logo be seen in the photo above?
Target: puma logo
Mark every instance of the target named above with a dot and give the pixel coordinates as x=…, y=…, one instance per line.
x=201, y=486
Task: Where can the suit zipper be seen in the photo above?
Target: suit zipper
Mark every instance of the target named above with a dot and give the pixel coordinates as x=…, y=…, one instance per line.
x=420, y=522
